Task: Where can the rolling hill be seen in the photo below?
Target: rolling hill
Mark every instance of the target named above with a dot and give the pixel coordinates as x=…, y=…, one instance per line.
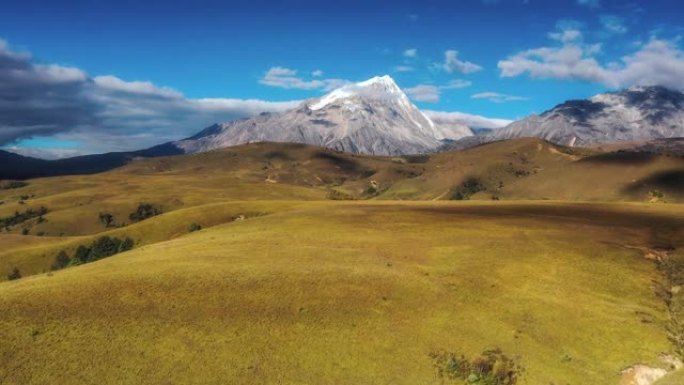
x=288, y=263
x=349, y=285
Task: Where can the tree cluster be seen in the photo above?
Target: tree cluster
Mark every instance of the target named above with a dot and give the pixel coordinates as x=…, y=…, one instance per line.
x=144, y=211
x=102, y=247
x=21, y=217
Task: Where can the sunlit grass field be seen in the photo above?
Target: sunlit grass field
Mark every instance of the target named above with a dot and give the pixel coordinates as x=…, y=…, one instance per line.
x=675, y=378
x=285, y=286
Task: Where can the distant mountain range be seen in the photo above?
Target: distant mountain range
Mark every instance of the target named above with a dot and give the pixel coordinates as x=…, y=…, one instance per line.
x=15, y=166
x=635, y=114
x=376, y=117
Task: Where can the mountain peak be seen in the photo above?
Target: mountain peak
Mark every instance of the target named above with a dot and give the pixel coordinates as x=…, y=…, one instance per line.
x=646, y=88
x=382, y=81
x=654, y=97
x=370, y=117
x=634, y=114
x=379, y=87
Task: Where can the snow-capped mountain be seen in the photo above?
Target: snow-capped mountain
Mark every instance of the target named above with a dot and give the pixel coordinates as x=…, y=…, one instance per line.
x=371, y=117
x=638, y=113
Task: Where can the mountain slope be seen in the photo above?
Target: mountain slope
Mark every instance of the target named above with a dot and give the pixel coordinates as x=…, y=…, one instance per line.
x=520, y=169
x=639, y=113
x=15, y=166
x=372, y=117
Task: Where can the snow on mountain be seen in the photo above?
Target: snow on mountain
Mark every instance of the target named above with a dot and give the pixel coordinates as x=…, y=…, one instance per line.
x=638, y=113
x=374, y=88
x=371, y=117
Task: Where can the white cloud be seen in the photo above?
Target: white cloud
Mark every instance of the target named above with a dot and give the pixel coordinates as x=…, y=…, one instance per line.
x=404, y=68
x=57, y=74
x=566, y=62
x=247, y=107
x=456, y=84
x=470, y=120
x=44, y=153
x=424, y=93
x=613, y=24
x=112, y=83
x=566, y=35
x=102, y=113
x=411, y=52
x=431, y=93
x=589, y=3
x=497, y=97
x=317, y=73
x=657, y=62
x=453, y=64
x=287, y=78
x=131, y=116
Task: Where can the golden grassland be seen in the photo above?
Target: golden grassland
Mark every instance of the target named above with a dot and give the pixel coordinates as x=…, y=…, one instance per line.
x=675, y=378
x=285, y=286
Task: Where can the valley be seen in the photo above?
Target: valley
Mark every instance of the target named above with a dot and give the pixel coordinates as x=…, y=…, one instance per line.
x=484, y=192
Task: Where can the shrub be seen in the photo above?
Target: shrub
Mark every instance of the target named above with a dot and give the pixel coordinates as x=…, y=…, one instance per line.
x=107, y=220
x=673, y=270
x=194, y=227
x=61, y=261
x=18, y=217
x=75, y=262
x=10, y=184
x=15, y=274
x=339, y=196
x=469, y=187
x=459, y=196
x=519, y=173
x=25, y=231
x=126, y=245
x=420, y=158
x=657, y=194
x=80, y=256
x=492, y=367
x=144, y=211
x=102, y=247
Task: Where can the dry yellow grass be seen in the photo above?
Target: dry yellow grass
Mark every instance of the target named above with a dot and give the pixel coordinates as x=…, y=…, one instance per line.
x=311, y=291
x=675, y=378
x=351, y=293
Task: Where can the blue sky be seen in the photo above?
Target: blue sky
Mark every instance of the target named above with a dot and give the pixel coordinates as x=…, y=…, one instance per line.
x=501, y=59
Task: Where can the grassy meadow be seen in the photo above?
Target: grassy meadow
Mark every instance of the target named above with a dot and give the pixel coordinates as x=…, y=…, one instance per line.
x=675, y=378
x=315, y=267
